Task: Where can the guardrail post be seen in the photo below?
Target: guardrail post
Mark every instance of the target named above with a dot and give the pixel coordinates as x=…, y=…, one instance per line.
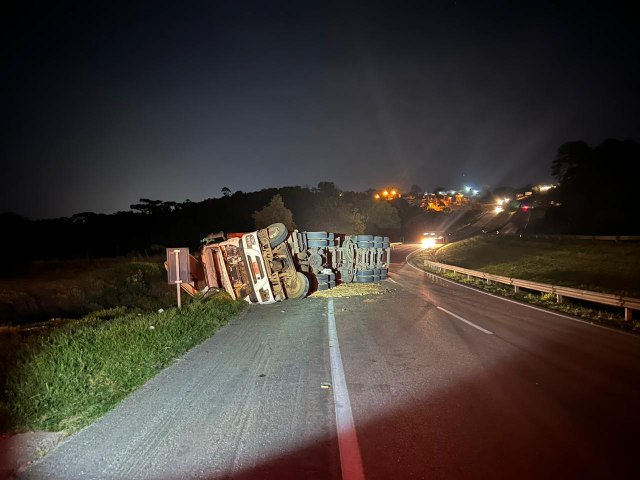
x=629, y=304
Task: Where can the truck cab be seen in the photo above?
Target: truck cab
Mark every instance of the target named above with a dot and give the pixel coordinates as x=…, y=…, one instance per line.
x=256, y=267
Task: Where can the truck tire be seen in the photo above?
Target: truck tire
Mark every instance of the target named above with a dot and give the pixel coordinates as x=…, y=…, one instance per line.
x=317, y=243
x=300, y=288
x=278, y=233
x=317, y=235
x=364, y=238
x=364, y=278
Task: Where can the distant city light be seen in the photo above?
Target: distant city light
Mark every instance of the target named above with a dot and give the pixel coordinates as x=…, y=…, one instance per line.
x=387, y=194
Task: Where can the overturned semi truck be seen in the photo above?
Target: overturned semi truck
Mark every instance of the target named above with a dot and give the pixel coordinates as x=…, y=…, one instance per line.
x=273, y=264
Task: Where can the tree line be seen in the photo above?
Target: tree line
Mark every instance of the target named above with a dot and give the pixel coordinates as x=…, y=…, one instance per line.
x=595, y=195
x=597, y=191
x=152, y=225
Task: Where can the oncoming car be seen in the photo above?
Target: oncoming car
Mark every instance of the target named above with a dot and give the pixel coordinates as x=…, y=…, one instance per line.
x=431, y=239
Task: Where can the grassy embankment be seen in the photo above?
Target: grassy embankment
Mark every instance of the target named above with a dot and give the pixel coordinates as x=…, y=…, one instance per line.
x=62, y=375
x=602, y=266
x=74, y=288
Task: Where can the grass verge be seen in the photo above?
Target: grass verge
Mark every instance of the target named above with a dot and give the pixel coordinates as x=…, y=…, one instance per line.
x=74, y=288
x=64, y=378
x=601, y=266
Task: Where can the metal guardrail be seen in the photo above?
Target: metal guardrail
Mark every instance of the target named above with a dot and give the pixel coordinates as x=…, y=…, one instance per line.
x=610, y=238
x=629, y=304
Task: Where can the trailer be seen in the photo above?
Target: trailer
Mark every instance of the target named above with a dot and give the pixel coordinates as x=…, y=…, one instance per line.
x=272, y=264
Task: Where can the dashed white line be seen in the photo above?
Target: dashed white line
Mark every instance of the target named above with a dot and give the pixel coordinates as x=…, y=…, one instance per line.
x=465, y=321
x=350, y=459
x=522, y=304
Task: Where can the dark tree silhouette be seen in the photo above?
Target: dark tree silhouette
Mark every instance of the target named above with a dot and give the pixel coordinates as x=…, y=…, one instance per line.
x=416, y=190
x=275, y=212
x=596, y=188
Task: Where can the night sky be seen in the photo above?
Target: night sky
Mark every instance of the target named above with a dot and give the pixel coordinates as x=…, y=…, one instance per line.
x=105, y=103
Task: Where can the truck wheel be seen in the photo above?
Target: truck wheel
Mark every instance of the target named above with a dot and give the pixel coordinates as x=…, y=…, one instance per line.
x=318, y=243
x=300, y=288
x=277, y=234
x=317, y=235
x=364, y=278
x=346, y=275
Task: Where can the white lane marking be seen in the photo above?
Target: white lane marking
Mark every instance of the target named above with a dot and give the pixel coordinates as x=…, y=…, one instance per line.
x=522, y=304
x=393, y=280
x=350, y=460
x=465, y=321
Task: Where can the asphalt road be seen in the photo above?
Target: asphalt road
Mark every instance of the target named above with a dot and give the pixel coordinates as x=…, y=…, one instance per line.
x=441, y=382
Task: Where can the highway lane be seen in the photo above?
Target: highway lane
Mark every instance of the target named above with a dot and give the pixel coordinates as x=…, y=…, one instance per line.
x=539, y=396
x=531, y=395
x=247, y=403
